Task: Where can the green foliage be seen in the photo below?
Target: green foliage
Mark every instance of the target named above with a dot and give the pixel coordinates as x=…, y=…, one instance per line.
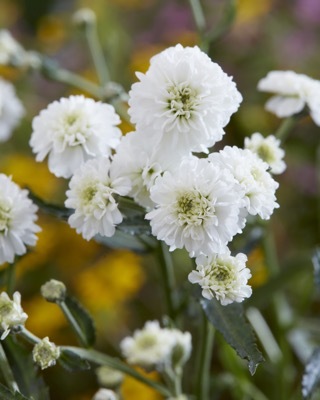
x=316, y=267
x=231, y=323
x=311, y=377
x=7, y=394
x=71, y=361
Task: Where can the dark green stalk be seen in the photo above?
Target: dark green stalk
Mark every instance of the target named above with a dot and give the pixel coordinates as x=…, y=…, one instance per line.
x=204, y=360
x=11, y=278
x=73, y=323
x=200, y=21
x=6, y=371
x=285, y=128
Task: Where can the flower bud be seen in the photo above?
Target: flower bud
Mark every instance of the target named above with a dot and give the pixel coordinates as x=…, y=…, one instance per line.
x=84, y=17
x=45, y=353
x=109, y=377
x=54, y=291
x=105, y=394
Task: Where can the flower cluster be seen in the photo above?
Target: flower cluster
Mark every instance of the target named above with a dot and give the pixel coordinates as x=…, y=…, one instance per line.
x=158, y=348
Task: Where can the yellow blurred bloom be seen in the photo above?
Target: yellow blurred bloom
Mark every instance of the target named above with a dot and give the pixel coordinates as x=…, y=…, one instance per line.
x=257, y=264
x=249, y=10
x=112, y=280
x=52, y=32
x=132, y=389
x=133, y=4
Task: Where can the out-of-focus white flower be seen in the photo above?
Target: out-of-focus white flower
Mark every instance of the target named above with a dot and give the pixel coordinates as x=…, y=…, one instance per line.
x=45, y=353
x=109, y=377
x=252, y=174
x=223, y=277
x=72, y=131
x=83, y=17
x=54, y=291
x=197, y=207
x=17, y=216
x=11, y=313
x=11, y=110
x=156, y=347
x=105, y=394
x=10, y=49
x=293, y=92
x=139, y=160
x=184, y=100
x=92, y=196
x=268, y=149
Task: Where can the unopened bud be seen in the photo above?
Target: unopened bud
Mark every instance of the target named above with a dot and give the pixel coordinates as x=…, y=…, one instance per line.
x=84, y=17
x=54, y=291
x=105, y=394
x=109, y=377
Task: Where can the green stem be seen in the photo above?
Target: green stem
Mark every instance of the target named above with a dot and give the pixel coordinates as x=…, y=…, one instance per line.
x=285, y=128
x=11, y=278
x=6, y=371
x=97, y=53
x=200, y=21
x=30, y=337
x=203, y=370
x=102, y=359
x=168, y=278
x=74, y=324
x=318, y=183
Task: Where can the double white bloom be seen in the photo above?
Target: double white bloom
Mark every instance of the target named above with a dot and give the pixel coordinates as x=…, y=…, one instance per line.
x=11, y=313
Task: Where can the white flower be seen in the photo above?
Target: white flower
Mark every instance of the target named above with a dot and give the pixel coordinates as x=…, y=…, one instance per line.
x=10, y=49
x=17, y=216
x=72, y=131
x=11, y=110
x=197, y=207
x=45, y=353
x=184, y=99
x=54, y=291
x=293, y=92
x=138, y=159
x=182, y=347
x=268, y=149
x=252, y=174
x=105, y=394
x=109, y=377
x=11, y=313
x=149, y=347
x=91, y=194
x=223, y=277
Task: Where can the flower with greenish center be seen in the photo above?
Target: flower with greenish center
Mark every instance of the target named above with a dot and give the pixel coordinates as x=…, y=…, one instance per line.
x=92, y=196
x=268, y=149
x=11, y=313
x=73, y=130
x=184, y=100
x=5, y=217
x=45, y=353
x=223, y=277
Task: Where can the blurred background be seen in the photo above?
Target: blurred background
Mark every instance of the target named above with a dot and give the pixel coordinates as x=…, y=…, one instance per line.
x=119, y=287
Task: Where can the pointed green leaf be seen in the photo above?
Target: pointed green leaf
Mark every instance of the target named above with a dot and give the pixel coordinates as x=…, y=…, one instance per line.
x=311, y=376
x=124, y=240
x=316, y=267
x=51, y=209
x=231, y=323
x=6, y=394
x=24, y=370
x=71, y=361
x=83, y=319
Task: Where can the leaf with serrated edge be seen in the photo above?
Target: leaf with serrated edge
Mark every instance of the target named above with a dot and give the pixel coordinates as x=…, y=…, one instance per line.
x=230, y=322
x=6, y=394
x=71, y=361
x=311, y=376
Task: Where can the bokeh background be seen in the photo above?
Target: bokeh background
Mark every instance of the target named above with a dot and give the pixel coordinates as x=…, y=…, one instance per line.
x=120, y=288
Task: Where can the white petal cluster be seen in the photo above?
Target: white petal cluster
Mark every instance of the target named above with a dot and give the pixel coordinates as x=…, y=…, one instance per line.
x=73, y=130
x=184, y=100
x=292, y=93
x=92, y=196
x=268, y=149
x=140, y=161
x=11, y=110
x=253, y=176
x=10, y=49
x=223, y=277
x=156, y=347
x=197, y=207
x=17, y=216
x=45, y=353
x=11, y=313
x=105, y=394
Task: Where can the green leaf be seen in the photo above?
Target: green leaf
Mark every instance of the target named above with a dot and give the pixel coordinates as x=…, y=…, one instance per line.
x=71, y=361
x=231, y=323
x=311, y=376
x=6, y=394
x=124, y=240
x=51, y=209
x=83, y=319
x=316, y=267
x=24, y=370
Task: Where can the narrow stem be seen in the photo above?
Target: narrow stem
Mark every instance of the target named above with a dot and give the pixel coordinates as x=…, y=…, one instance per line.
x=200, y=21
x=97, y=53
x=203, y=370
x=74, y=324
x=30, y=337
x=177, y=383
x=102, y=359
x=168, y=278
x=318, y=183
x=11, y=278
x=285, y=128
x=6, y=371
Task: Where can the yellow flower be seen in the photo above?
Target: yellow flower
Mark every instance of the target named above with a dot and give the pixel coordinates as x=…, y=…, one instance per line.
x=250, y=10
x=257, y=265
x=133, y=389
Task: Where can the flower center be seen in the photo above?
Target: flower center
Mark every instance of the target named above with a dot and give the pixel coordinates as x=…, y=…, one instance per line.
x=5, y=309
x=266, y=153
x=74, y=129
x=221, y=274
x=5, y=217
x=147, y=341
x=96, y=196
x=193, y=208
x=182, y=100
